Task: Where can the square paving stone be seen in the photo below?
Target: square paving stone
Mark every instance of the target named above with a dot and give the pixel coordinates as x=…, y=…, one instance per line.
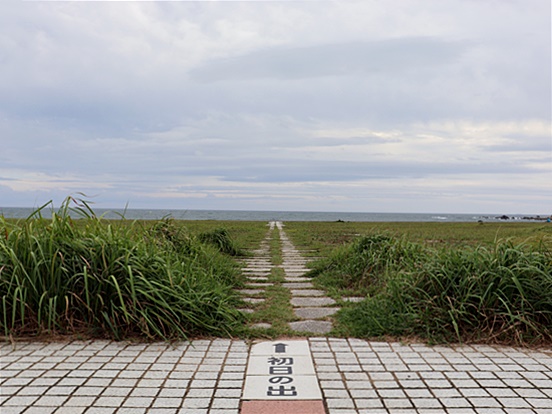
x=314, y=313
x=251, y=291
x=307, y=292
x=308, y=302
x=320, y=327
x=297, y=285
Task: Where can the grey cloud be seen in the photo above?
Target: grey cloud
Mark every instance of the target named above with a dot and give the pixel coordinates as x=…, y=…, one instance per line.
x=344, y=59
x=300, y=170
x=104, y=93
x=351, y=140
x=524, y=143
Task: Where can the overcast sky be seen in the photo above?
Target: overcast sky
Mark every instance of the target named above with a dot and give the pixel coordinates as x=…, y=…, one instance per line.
x=436, y=106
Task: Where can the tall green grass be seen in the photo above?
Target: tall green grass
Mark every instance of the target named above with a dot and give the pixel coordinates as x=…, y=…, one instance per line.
x=501, y=292
x=365, y=263
x=221, y=239
x=88, y=276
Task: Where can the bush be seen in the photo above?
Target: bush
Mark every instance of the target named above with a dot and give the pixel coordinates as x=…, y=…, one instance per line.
x=221, y=239
x=503, y=293
x=367, y=261
x=88, y=276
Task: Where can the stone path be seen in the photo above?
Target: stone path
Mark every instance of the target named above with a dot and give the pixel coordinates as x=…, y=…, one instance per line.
x=310, y=306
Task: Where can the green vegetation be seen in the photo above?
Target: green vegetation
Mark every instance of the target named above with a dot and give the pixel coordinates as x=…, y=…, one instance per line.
x=113, y=279
x=323, y=237
x=245, y=234
x=220, y=238
x=501, y=292
x=170, y=279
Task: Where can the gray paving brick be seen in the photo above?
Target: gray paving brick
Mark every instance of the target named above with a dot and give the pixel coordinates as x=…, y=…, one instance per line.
x=325, y=384
x=394, y=403
x=446, y=393
x=196, y=403
x=482, y=402
x=101, y=410
x=426, y=403
x=79, y=401
x=31, y=390
x=225, y=403
x=228, y=393
x=455, y=402
x=513, y=402
x=94, y=391
x=138, y=402
x=166, y=402
x=340, y=403
x=230, y=384
x=109, y=401
x=24, y=401
x=392, y=393
x=76, y=410
x=418, y=393
x=40, y=410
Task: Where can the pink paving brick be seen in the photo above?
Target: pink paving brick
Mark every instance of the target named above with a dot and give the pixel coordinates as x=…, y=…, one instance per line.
x=282, y=407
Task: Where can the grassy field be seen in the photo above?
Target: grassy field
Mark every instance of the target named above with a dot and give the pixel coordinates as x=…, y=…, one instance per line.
x=324, y=236
x=443, y=282
x=479, y=282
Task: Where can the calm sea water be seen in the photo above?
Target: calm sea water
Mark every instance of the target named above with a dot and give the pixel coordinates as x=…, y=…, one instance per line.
x=133, y=214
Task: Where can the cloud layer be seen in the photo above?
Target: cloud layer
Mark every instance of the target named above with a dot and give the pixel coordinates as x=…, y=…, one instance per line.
x=419, y=106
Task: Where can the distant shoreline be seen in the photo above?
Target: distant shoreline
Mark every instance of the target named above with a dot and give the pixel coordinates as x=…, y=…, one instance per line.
x=236, y=215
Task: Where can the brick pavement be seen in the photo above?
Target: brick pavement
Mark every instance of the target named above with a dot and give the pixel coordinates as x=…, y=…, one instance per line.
x=207, y=376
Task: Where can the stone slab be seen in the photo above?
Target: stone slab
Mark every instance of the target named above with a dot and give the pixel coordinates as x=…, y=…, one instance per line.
x=251, y=291
x=311, y=302
x=307, y=292
x=261, y=325
x=320, y=327
x=281, y=407
x=314, y=313
x=354, y=299
x=253, y=300
x=297, y=279
x=246, y=310
x=297, y=285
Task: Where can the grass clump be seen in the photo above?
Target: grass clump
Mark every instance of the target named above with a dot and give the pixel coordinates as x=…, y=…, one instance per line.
x=89, y=277
x=364, y=264
x=498, y=293
x=221, y=239
x=503, y=293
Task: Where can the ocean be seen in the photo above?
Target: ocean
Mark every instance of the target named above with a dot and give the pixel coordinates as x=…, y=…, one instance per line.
x=225, y=215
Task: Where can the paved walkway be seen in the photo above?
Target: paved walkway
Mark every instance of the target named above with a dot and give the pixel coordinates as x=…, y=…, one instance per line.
x=207, y=376
x=318, y=375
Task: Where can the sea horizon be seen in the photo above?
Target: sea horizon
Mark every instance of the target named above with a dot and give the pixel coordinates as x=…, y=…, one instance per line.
x=265, y=215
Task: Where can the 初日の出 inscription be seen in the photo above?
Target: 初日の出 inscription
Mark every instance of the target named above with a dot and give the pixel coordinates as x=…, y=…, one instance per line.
x=281, y=370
